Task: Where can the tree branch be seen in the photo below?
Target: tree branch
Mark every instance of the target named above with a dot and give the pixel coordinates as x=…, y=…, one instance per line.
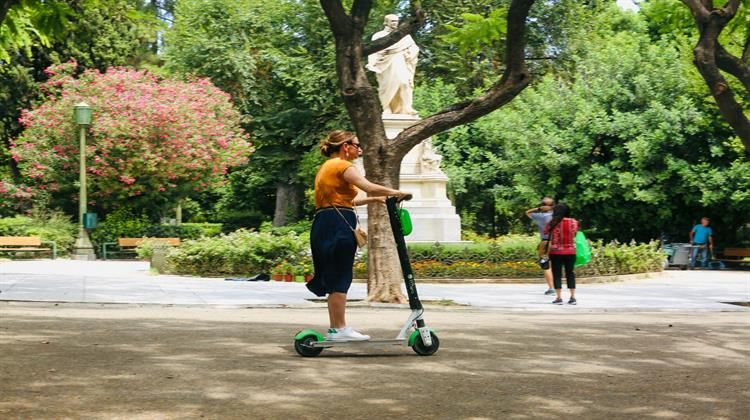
x=515, y=78
x=361, y=11
x=5, y=8
x=730, y=9
x=709, y=55
x=698, y=9
x=734, y=66
x=415, y=21
x=337, y=17
x=746, y=48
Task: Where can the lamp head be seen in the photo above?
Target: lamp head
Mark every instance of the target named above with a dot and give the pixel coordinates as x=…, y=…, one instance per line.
x=82, y=113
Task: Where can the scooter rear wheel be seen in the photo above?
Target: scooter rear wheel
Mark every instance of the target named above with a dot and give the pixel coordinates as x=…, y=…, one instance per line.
x=421, y=349
x=304, y=346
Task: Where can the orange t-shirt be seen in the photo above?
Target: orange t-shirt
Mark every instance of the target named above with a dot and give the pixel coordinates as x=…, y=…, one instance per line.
x=330, y=186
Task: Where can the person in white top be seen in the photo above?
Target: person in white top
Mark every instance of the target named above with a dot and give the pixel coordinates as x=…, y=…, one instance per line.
x=395, y=67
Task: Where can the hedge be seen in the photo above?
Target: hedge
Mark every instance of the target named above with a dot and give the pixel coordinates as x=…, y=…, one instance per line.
x=50, y=227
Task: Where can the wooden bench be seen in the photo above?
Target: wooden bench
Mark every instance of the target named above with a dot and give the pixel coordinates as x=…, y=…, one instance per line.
x=128, y=245
x=735, y=256
x=21, y=244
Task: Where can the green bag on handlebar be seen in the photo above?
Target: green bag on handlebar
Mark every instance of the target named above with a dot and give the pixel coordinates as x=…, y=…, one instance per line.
x=405, y=218
x=583, y=250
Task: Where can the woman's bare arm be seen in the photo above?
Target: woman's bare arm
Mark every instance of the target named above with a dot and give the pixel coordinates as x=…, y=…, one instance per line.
x=352, y=176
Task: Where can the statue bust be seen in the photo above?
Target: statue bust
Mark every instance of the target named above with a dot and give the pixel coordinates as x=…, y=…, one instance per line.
x=429, y=160
x=394, y=68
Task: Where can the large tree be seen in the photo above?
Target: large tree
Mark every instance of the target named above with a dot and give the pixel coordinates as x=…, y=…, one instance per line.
x=274, y=59
x=382, y=157
x=711, y=58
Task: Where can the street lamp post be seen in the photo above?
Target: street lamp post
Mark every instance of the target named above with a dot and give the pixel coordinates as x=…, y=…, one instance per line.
x=83, y=250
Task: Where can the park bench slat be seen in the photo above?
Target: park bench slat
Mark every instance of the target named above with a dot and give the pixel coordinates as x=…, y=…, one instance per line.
x=736, y=252
x=134, y=242
x=20, y=241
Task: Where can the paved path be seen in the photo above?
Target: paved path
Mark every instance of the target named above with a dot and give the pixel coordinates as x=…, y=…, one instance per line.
x=151, y=362
x=131, y=282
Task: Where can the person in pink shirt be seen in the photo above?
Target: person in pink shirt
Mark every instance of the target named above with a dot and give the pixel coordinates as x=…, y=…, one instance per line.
x=562, y=250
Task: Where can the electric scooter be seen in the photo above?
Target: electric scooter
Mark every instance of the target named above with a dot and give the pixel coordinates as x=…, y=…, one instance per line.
x=415, y=334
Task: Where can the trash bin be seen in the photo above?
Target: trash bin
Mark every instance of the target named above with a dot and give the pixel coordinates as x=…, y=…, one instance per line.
x=89, y=220
x=681, y=255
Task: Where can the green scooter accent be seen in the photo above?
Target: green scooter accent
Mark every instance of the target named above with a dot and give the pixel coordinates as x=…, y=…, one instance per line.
x=304, y=333
x=406, y=226
x=415, y=334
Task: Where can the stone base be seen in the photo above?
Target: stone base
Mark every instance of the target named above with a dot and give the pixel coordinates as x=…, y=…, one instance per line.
x=433, y=215
x=83, y=250
x=84, y=256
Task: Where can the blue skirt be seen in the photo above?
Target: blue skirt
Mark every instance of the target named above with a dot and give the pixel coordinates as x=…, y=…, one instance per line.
x=333, y=249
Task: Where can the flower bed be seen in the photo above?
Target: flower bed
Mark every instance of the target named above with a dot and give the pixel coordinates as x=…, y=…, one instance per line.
x=496, y=260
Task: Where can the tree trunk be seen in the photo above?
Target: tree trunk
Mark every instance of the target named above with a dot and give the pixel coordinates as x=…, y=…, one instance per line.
x=382, y=157
x=282, y=201
x=384, y=276
x=288, y=202
x=5, y=7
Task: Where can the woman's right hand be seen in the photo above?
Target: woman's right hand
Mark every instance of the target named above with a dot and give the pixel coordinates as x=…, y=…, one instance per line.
x=403, y=195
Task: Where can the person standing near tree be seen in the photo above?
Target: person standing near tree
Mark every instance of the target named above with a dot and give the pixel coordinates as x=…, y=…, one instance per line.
x=331, y=236
x=701, y=238
x=562, y=250
x=542, y=215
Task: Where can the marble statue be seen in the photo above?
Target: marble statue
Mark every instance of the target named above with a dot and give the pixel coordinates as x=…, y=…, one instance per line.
x=429, y=160
x=395, y=67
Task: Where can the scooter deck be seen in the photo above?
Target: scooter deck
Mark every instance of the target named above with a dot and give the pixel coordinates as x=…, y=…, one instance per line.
x=361, y=343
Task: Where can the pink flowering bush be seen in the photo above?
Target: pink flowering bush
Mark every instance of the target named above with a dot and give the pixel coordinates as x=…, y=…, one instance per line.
x=151, y=140
x=14, y=198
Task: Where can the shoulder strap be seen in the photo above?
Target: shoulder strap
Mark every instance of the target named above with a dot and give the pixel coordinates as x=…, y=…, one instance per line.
x=342, y=216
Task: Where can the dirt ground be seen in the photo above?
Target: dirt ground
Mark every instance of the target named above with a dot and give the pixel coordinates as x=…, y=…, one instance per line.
x=161, y=362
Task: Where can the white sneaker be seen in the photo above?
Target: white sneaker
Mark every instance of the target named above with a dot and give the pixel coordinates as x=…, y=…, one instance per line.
x=345, y=334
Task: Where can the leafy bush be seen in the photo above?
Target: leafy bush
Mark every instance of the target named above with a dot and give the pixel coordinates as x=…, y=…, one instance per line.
x=49, y=226
x=301, y=228
x=515, y=257
x=503, y=249
x=206, y=229
x=616, y=258
x=145, y=249
x=122, y=223
x=240, y=252
x=154, y=140
x=466, y=269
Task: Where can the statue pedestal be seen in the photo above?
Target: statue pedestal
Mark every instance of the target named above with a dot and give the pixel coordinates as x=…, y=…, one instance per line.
x=433, y=215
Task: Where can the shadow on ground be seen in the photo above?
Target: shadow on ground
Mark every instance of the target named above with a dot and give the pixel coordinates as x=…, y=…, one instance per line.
x=168, y=362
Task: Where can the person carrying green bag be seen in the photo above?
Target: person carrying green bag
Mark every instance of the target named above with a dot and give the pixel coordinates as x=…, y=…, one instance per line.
x=562, y=232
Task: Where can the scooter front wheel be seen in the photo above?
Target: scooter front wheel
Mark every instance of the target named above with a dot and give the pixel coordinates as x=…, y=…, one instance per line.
x=304, y=346
x=421, y=349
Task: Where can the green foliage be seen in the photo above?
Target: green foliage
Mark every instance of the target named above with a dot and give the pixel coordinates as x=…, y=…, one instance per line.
x=48, y=226
x=300, y=228
x=238, y=253
x=123, y=223
x=100, y=34
x=629, y=141
x=515, y=257
x=205, y=229
x=514, y=248
x=145, y=250
x=279, y=53
x=478, y=34
x=629, y=258
x=30, y=21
